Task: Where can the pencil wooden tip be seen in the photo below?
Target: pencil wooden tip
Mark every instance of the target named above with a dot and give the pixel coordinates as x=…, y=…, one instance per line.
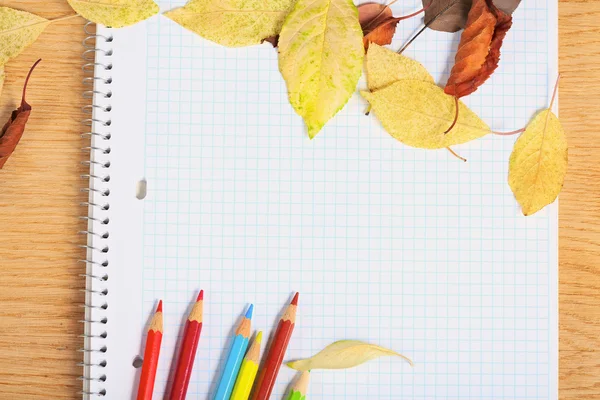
x=295, y=299
x=301, y=384
x=200, y=295
x=159, y=308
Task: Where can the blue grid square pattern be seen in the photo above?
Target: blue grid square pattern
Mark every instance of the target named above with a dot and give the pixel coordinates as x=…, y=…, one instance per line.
x=406, y=248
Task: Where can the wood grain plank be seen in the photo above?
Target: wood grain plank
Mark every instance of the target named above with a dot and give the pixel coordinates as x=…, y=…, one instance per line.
x=579, y=365
x=39, y=276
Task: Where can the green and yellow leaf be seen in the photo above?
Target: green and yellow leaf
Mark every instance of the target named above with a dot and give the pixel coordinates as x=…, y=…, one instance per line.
x=233, y=23
x=385, y=67
x=320, y=57
x=344, y=354
x=538, y=163
x=18, y=30
x=115, y=13
x=418, y=113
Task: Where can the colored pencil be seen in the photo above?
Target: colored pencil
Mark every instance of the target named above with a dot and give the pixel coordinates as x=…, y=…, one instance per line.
x=187, y=353
x=268, y=374
x=235, y=357
x=151, y=353
x=248, y=370
x=300, y=387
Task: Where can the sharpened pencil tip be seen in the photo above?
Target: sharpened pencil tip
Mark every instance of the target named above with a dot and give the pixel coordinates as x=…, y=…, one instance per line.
x=258, y=337
x=249, y=312
x=295, y=299
x=159, y=307
x=200, y=296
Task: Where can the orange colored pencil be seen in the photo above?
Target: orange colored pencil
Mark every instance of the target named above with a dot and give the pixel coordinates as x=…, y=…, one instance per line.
x=189, y=345
x=155, y=334
x=268, y=375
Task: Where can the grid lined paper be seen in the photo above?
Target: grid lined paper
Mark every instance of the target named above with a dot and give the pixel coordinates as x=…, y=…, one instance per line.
x=405, y=248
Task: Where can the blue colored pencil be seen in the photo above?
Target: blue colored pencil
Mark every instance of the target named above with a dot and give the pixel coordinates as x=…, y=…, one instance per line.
x=236, y=355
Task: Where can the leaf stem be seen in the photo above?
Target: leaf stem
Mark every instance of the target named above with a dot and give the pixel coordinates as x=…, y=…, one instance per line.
x=455, y=154
x=456, y=106
x=66, y=17
x=417, y=12
x=509, y=133
x=427, y=26
x=23, y=102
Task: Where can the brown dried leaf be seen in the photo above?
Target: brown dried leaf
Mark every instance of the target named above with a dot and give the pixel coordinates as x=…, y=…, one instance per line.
x=479, y=48
x=15, y=126
x=455, y=18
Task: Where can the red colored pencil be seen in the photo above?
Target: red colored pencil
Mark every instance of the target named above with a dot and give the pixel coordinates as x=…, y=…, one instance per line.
x=151, y=353
x=267, y=376
x=191, y=337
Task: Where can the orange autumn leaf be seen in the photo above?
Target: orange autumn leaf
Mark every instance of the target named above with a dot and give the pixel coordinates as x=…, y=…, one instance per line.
x=379, y=24
x=479, y=48
x=13, y=129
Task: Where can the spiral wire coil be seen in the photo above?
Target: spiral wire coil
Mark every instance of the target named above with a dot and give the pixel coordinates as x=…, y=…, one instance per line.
x=96, y=134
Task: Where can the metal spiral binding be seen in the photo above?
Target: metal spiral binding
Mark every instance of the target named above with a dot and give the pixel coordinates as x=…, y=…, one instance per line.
x=98, y=79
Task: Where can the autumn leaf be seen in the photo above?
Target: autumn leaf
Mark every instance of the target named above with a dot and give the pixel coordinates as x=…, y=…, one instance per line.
x=379, y=24
x=18, y=30
x=344, y=354
x=320, y=57
x=455, y=18
x=13, y=130
x=233, y=23
x=384, y=67
x=479, y=48
x=416, y=113
x=538, y=163
x=115, y=13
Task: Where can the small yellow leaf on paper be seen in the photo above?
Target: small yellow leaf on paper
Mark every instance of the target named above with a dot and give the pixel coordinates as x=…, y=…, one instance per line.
x=320, y=57
x=18, y=30
x=2, y=76
x=418, y=113
x=233, y=23
x=115, y=13
x=538, y=163
x=385, y=66
x=344, y=354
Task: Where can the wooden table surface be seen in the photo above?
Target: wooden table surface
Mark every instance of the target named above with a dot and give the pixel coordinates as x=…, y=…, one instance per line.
x=40, y=285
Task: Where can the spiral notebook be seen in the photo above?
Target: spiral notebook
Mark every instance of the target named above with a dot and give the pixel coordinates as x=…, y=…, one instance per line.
x=406, y=248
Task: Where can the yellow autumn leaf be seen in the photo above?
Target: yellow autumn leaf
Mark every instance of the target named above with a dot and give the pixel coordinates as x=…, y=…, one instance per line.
x=538, y=163
x=18, y=30
x=115, y=13
x=344, y=354
x=385, y=66
x=320, y=57
x=233, y=23
x=418, y=113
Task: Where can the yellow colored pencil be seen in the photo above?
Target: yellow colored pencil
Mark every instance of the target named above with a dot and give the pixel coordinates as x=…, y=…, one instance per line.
x=248, y=370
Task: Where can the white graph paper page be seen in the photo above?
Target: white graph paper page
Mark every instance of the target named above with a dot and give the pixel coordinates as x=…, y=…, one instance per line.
x=406, y=248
